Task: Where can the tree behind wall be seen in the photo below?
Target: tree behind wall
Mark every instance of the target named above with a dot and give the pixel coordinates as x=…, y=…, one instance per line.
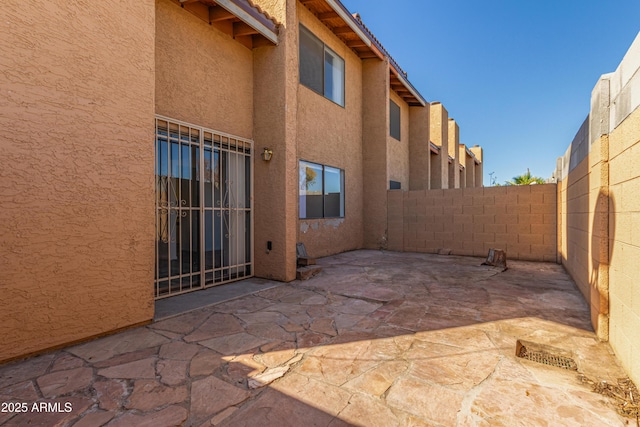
x=525, y=179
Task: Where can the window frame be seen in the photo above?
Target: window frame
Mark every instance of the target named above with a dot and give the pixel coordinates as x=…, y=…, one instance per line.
x=326, y=49
x=342, y=174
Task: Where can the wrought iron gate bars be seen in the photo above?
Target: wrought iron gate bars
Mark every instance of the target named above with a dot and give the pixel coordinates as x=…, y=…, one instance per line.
x=227, y=146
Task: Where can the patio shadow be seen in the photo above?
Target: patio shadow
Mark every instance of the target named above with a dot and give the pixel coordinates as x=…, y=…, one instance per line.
x=378, y=338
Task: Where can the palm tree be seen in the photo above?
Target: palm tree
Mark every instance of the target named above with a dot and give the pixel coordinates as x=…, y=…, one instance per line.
x=525, y=179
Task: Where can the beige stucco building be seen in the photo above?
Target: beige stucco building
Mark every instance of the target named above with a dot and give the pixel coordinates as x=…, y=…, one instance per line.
x=154, y=147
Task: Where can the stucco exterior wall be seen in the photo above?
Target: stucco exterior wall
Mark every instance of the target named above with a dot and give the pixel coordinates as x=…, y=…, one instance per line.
x=331, y=135
x=275, y=126
x=398, y=151
x=478, y=167
x=375, y=129
x=470, y=170
x=277, y=9
x=77, y=188
x=419, y=150
x=462, y=156
x=203, y=76
x=439, y=130
x=470, y=221
x=454, y=152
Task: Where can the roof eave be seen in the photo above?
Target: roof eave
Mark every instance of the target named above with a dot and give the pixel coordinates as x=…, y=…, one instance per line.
x=233, y=7
x=375, y=47
x=410, y=88
x=350, y=21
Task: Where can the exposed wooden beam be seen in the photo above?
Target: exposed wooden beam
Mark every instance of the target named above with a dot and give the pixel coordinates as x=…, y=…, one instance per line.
x=342, y=30
x=260, y=41
x=356, y=43
x=247, y=41
x=327, y=15
x=188, y=1
x=242, y=29
x=367, y=55
x=198, y=9
x=224, y=26
x=217, y=13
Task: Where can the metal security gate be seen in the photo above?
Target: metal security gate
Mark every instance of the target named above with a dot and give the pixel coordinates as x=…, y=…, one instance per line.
x=204, y=223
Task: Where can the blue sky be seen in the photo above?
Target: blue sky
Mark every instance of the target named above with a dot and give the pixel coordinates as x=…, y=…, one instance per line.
x=516, y=75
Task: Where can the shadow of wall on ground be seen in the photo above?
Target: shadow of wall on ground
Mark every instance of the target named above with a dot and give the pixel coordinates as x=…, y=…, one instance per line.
x=367, y=311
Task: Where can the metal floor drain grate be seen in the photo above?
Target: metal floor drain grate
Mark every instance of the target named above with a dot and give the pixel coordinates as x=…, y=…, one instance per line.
x=545, y=355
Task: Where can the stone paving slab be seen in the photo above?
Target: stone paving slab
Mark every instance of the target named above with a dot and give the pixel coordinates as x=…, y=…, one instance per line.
x=376, y=339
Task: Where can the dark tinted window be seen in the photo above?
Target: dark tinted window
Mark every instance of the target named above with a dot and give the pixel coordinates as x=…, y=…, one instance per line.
x=321, y=69
x=394, y=120
x=311, y=61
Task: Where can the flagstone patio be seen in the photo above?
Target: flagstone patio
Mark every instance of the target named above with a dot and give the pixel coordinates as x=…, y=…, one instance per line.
x=376, y=339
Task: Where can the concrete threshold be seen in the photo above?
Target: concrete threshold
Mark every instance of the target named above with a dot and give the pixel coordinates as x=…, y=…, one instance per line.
x=184, y=303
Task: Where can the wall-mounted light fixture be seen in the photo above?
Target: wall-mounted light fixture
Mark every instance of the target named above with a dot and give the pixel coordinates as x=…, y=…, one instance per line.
x=267, y=154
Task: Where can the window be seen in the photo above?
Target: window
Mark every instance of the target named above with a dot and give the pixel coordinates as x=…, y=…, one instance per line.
x=394, y=120
x=321, y=69
x=321, y=191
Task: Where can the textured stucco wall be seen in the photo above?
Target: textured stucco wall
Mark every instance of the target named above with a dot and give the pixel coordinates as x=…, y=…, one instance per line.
x=203, y=76
x=454, y=166
x=277, y=9
x=331, y=135
x=419, y=151
x=470, y=170
x=275, y=126
x=375, y=129
x=479, y=176
x=398, y=151
x=462, y=157
x=439, y=130
x=470, y=221
x=76, y=106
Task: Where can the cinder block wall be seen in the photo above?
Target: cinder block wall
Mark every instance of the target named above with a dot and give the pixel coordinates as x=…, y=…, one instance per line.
x=624, y=212
x=583, y=225
x=470, y=221
x=599, y=213
x=624, y=243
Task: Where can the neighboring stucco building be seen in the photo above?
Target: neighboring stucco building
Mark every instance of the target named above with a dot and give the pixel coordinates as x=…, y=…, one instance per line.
x=155, y=147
